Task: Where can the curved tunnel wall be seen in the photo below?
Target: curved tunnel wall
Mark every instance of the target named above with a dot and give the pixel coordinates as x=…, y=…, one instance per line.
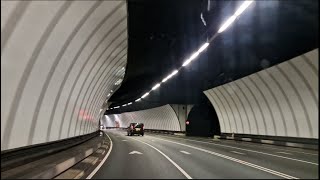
x=59, y=60
x=279, y=101
x=160, y=118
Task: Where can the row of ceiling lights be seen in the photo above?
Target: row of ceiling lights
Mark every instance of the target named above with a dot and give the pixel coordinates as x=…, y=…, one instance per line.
x=224, y=26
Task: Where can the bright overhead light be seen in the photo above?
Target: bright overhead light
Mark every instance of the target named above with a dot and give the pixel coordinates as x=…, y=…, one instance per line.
x=227, y=23
x=164, y=80
x=124, y=105
x=137, y=100
x=243, y=7
x=156, y=86
x=109, y=94
x=186, y=62
x=203, y=47
x=174, y=73
x=194, y=55
x=129, y=103
x=116, y=107
x=145, y=95
x=111, y=91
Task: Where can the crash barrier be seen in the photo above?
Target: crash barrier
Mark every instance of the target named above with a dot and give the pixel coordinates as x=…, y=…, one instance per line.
x=307, y=143
x=48, y=160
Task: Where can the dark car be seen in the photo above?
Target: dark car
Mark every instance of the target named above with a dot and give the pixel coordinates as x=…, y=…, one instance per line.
x=135, y=128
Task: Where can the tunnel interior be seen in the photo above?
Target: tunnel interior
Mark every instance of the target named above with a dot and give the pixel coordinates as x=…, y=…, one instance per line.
x=203, y=120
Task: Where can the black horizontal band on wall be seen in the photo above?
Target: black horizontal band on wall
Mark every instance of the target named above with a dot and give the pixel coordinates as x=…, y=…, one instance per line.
x=16, y=157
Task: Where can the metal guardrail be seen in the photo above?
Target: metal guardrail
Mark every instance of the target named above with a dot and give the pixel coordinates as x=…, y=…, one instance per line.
x=19, y=156
x=305, y=143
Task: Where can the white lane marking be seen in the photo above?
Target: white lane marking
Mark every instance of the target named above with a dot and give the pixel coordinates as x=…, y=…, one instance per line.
x=102, y=162
x=124, y=140
x=267, y=146
x=185, y=152
x=235, y=160
x=135, y=152
x=175, y=164
x=284, y=153
x=237, y=152
x=284, y=157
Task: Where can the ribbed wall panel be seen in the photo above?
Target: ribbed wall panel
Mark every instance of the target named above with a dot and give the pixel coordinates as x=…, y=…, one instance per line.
x=279, y=101
x=161, y=118
x=58, y=60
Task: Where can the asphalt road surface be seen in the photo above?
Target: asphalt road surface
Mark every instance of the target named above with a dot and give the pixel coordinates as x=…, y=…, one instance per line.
x=155, y=156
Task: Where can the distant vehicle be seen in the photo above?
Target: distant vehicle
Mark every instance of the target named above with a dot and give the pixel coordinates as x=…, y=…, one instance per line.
x=135, y=128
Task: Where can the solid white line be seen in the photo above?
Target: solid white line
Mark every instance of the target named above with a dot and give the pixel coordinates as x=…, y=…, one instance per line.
x=284, y=157
x=267, y=146
x=235, y=160
x=185, y=152
x=175, y=164
x=237, y=152
x=102, y=162
x=284, y=153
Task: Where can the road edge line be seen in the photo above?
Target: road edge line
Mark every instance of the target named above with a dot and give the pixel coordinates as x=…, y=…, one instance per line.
x=103, y=161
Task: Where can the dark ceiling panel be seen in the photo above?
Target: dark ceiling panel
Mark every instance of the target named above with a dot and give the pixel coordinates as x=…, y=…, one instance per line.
x=162, y=33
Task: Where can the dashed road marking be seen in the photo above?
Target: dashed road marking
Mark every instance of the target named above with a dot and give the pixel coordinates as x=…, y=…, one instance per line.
x=135, y=152
x=185, y=152
x=237, y=152
x=284, y=153
x=286, y=176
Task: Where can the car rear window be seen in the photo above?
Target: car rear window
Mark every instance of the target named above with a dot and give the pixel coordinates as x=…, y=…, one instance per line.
x=139, y=125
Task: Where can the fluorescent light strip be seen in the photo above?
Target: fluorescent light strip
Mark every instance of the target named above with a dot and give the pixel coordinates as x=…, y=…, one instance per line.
x=174, y=73
x=194, y=55
x=203, y=47
x=227, y=23
x=240, y=10
x=129, y=103
x=156, y=86
x=145, y=95
x=138, y=100
x=243, y=7
x=164, y=80
x=116, y=107
x=109, y=94
x=186, y=62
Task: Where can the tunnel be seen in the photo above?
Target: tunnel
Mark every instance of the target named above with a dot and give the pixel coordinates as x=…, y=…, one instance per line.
x=203, y=120
x=206, y=89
